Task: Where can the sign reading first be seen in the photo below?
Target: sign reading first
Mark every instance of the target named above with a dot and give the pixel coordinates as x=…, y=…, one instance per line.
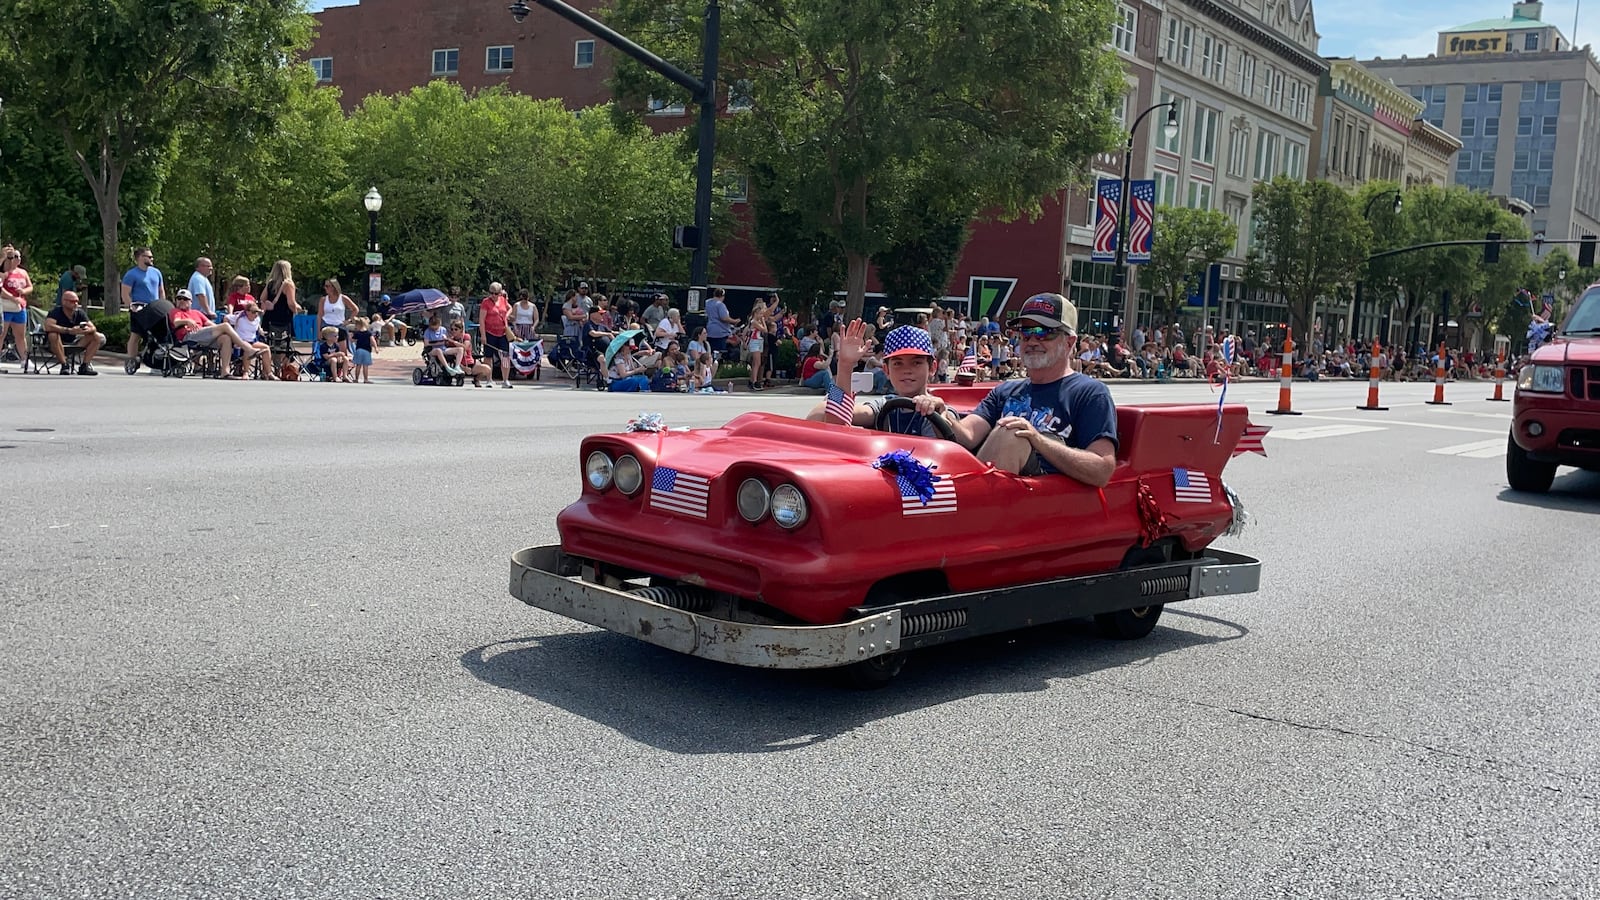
x=1477, y=43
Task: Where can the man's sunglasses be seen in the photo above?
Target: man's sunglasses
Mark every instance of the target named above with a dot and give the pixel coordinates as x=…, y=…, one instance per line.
x=1039, y=331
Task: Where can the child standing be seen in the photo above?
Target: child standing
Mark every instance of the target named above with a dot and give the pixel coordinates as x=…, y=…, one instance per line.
x=361, y=354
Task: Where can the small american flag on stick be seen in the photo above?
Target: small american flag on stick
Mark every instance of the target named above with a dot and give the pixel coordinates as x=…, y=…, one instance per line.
x=841, y=406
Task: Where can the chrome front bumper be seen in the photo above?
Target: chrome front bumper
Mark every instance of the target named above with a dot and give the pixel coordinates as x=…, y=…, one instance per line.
x=536, y=582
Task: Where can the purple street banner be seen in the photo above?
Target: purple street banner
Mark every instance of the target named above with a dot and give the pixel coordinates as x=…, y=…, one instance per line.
x=1108, y=194
x=1141, y=220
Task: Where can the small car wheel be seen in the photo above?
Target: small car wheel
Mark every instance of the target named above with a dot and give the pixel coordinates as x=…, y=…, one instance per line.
x=1128, y=624
x=873, y=673
x=131, y=365
x=416, y=376
x=1524, y=474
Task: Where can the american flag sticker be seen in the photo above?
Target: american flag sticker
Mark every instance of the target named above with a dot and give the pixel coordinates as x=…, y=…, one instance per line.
x=679, y=492
x=942, y=501
x=1191, y=486
x=1250, y=441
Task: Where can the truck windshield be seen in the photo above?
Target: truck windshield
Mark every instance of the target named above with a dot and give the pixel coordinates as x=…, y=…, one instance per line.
x=1585, y=317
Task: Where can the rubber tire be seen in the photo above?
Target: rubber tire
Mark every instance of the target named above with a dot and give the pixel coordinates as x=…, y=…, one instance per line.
x=877, y=672
x=1133, y=624
x=131, y=365
x=1524, y=474
x=459, y=380
x=416, y=376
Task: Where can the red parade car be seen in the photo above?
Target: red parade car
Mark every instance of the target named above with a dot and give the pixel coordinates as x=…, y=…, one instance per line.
x=781, y=543
x=1556, y=413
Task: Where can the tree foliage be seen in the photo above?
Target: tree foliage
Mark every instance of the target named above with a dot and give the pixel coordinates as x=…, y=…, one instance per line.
x=1187, y=241
x=994, y=103
x=118, y=82
x=915, y=268
x=807, y=261
x=1310, y=242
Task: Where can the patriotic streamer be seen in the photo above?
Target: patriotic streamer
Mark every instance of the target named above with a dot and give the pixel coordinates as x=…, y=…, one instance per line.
x=651, y=422
x=917, y=475
x=1226, y=376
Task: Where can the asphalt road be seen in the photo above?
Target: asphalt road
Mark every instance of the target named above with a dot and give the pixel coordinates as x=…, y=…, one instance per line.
x=258, y=643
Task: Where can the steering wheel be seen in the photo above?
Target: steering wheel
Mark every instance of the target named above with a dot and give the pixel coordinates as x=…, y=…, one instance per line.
x=940, y=424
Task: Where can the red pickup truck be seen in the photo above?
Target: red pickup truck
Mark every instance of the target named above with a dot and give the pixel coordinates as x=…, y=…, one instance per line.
x=1557, y=410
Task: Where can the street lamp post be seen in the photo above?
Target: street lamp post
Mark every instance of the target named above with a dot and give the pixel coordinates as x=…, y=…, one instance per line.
x=1119, y=273
x=1355, y=308
x=373, y=201
x=704, y=90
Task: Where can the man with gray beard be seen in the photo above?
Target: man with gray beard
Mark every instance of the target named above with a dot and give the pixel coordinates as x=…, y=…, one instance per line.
x=1053, y=421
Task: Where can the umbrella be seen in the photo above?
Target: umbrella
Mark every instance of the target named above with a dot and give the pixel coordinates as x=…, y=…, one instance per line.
x=418, y=300
x=619, y=340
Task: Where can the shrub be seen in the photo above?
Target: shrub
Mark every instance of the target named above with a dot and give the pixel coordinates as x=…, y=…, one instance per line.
x=114, y=326
x=733, y=370
x=786, y=355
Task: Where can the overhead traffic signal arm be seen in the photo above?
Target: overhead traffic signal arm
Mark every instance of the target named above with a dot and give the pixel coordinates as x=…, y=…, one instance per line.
x=1491, y=244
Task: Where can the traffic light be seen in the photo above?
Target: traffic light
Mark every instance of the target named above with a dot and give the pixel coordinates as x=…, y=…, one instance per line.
x=1586, y=252
x=1491, y=247
x=685, y=237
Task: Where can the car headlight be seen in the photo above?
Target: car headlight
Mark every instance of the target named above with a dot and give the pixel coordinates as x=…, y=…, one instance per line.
x=788, y=506
x=1541, y=379
x=597, y=470
x=628, y=474
x=754, y=500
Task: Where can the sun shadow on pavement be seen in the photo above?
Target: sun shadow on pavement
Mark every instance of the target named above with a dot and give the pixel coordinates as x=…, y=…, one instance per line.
x=686, y=705
x=1575, y=491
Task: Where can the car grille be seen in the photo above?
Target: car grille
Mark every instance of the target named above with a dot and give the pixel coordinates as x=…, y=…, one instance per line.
x=1585, y=382
x=1579, y=439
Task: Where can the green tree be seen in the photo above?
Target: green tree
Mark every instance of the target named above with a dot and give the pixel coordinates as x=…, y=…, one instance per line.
x=807, y=260
x=1311, y=241
x=117, y=82
x=1186, y=242
x=997, y=103
x=915, y=268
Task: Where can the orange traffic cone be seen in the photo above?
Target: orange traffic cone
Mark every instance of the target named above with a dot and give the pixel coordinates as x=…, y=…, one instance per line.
x=1374, y=373
x=1438, y=378
x=1286, y=378
x=1500, y=378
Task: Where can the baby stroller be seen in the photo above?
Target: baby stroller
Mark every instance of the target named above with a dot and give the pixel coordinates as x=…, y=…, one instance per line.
x=158, y=351
x=526, y=357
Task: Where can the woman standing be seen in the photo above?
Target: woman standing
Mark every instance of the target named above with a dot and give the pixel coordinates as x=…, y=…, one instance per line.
x=332, y=312
x=16, y=286
x=525, y=317
x=756, y=343
x=278, y=303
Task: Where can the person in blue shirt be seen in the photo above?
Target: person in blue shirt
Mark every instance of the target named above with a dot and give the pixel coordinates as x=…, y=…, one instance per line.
x=1055, y=421
x=719, y=325
x=141, y=285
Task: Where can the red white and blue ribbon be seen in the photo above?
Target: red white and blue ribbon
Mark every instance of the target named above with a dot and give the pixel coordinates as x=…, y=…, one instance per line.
x=1225, y=375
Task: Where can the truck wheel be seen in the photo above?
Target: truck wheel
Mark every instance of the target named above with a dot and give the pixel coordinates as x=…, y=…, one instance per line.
x=1525, y=474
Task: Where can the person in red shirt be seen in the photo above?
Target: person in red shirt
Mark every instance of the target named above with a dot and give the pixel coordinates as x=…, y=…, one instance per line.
x=493, y=317
x=239, y=294
x=191, y=326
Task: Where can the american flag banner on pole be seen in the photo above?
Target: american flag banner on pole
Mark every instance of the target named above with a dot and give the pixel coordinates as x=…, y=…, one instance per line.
x=680, y=492
x=911, y=504
x=1191, y=486
x=1250, y=442
x=1108, y=194
x=1141, y=220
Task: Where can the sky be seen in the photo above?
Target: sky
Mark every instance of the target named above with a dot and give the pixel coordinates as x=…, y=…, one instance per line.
x=1388, y=28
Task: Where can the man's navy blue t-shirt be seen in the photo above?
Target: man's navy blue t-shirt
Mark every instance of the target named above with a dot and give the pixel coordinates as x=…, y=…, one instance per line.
x=1077, y=408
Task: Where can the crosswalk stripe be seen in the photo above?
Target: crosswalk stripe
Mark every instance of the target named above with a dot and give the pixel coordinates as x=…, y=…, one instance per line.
x=1319, y=431
x=1476, y=450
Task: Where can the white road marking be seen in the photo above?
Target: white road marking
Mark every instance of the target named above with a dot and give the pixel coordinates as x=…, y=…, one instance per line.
x=1477, y=450
x=1434, y=425
x=1319, y=431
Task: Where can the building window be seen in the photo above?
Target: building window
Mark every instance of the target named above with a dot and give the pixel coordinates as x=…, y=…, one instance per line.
x=1471, y=94
x=1220, y=71
x=1206, y=45
x=1547, y=160
x=1519, y=162
x=1491, y=126
x=659, y=107
x=323, y=66
x=1186, y=46
x=1199, y=195
x=739, y=99
x=1469, y=127
x=1125, y=30
x=1266, y=156
x=1238, y=152
x=1247, y=74
x=582, y=54
x=1166, y=188
x=1486, y=161
x=1524, y=126
x=1552, y=90
x=1204, y=146
x=1294, y=160
x=1176, y=144
x=446, y=62
x=734, y=186
x=1541, y=195
x=1277, y=91
x=1548, y=126
x=1464, y=161
x=1531, y=42
x=1493, y=93
x=498, y=59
